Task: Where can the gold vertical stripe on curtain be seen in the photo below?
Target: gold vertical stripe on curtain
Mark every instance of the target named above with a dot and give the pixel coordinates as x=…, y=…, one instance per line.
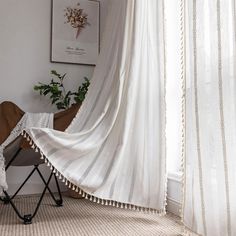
x=222, y=119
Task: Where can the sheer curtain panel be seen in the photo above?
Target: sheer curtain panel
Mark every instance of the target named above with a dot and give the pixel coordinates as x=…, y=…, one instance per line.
x=210, y=167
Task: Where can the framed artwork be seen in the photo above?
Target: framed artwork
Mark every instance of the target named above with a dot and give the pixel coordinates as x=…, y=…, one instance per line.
x=75, y=31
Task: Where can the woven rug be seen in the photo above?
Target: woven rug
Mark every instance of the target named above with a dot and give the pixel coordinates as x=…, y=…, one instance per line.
x=80, y=217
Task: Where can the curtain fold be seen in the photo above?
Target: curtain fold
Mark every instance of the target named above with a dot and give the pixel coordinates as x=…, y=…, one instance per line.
x=210, y=176
x=114, y=150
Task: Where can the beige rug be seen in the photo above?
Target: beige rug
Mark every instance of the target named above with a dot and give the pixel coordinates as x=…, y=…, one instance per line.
x=81, y=218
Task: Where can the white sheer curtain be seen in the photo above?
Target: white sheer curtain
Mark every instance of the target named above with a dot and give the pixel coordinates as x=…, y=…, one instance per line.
x=210, y=180
x=114, y=150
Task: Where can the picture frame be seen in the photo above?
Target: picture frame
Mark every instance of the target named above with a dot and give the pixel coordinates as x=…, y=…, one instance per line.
x=75, y=31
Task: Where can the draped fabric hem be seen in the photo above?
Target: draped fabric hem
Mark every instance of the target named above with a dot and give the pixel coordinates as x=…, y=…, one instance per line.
x=89, y=196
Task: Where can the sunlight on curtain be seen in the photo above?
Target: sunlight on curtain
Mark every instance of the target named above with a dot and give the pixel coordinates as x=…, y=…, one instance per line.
x=173, y=88
x=210, y=190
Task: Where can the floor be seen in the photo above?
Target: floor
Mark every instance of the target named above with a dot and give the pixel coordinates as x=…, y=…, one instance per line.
x=80, y=217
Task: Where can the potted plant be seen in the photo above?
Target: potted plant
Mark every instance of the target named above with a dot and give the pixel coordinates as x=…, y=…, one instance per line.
x=57, y=93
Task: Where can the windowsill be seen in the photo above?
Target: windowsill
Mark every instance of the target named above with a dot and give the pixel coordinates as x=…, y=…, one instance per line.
x=174, y=194
x=175, y=176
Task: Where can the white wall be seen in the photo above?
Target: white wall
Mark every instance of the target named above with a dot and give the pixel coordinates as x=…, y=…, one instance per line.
x=24, y=61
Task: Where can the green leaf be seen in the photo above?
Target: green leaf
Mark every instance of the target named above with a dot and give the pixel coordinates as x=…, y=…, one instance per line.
x=54, y=100
x=60, y=105
x=63, y=76
x=46, y=91
x=53, y=72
